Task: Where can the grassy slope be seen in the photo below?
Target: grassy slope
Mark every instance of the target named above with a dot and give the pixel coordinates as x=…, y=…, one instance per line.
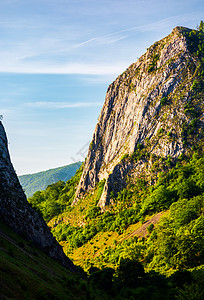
x=93, y=253
x=105, y=247
x=27, y=273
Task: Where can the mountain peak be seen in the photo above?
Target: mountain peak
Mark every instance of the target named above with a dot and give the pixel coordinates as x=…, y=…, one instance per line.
x=152, y=106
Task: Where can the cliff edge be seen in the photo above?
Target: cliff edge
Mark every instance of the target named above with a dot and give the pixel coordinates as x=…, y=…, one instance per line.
x=152, y=106
x=19, y=215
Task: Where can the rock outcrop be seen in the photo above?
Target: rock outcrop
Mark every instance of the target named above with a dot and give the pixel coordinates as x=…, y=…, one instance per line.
x=16, y=212
x=146, y=106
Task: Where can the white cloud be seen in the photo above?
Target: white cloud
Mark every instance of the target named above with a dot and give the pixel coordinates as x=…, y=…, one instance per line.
x=61, y=105
x=68, y=68
x=116, y=36
x=5, y=111
x=68, y=50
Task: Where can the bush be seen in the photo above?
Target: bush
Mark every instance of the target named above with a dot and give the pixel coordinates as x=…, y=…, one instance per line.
x=150, y=228
x=161, y=198
x=130, y=273
x=163, y=101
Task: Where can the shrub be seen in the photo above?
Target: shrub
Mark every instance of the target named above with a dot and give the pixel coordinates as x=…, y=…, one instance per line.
x=150, y=228
x=124, y=156
x=163, y=101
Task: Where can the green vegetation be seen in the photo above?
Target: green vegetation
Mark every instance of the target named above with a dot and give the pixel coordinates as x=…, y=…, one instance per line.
x=27, y=273
x=181, y=231
x=137, y=200
x=91, y=145
x=32, y=183
x=163, y=101
x=124, y=156
x=171, y=252
x=160, y=131
x=56, y=198
x=153, y=64
x=148, y=243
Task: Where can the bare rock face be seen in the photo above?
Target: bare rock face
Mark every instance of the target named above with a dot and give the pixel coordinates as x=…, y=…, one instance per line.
x=144, y=107
x=16, y=212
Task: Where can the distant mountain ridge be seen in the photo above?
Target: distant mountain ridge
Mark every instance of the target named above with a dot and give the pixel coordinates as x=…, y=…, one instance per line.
x=39, y=181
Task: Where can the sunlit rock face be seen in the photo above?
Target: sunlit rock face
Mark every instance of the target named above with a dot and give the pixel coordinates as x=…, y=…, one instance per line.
x=18, y=214
x=141, y=107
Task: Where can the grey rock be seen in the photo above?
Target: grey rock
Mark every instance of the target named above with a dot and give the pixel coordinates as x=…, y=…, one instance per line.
x=133, y=114
x=16, y=212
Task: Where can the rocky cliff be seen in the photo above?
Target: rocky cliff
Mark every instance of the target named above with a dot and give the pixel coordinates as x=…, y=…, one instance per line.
x=152, y=106
x=18, y=214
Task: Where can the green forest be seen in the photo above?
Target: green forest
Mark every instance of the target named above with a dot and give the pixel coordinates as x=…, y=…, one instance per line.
x=168, y=259
x=39, y=181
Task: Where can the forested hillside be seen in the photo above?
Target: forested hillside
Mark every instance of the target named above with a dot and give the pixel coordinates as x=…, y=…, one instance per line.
x=171, y=251
x=39, y=181
x=144, y=239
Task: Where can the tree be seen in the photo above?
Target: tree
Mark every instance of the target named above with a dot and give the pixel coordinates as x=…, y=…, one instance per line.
x=201, y=26
x=130, y=273
x=102, y=279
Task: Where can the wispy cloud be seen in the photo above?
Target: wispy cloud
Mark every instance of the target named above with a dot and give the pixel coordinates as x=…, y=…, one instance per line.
x=65, y=50
x=146, y=27
x=61, y=105
x=119, y=35
x=102, y=40
x=69, y=68
x=5, y=111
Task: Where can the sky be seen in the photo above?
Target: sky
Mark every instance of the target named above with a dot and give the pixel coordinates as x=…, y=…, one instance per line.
x=57, y=59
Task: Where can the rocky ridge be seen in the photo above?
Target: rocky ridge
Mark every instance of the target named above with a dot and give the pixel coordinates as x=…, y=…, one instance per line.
x=18, y=214
x=146, y=107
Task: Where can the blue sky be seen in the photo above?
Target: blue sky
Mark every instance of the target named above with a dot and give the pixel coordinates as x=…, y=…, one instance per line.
x=57, y=58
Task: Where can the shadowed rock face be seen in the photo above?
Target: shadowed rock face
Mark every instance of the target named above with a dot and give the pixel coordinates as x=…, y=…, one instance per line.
x=19, y=215
x=141, y=106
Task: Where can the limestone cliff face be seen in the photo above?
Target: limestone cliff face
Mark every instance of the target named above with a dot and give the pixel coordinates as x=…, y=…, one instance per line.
x=143, y=106
x=18, y=214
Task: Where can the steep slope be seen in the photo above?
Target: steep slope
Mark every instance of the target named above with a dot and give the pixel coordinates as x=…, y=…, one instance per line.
x=127, y=249
x=18, y=214
x=154, y=109
x=39, y=181
x=27, y=273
